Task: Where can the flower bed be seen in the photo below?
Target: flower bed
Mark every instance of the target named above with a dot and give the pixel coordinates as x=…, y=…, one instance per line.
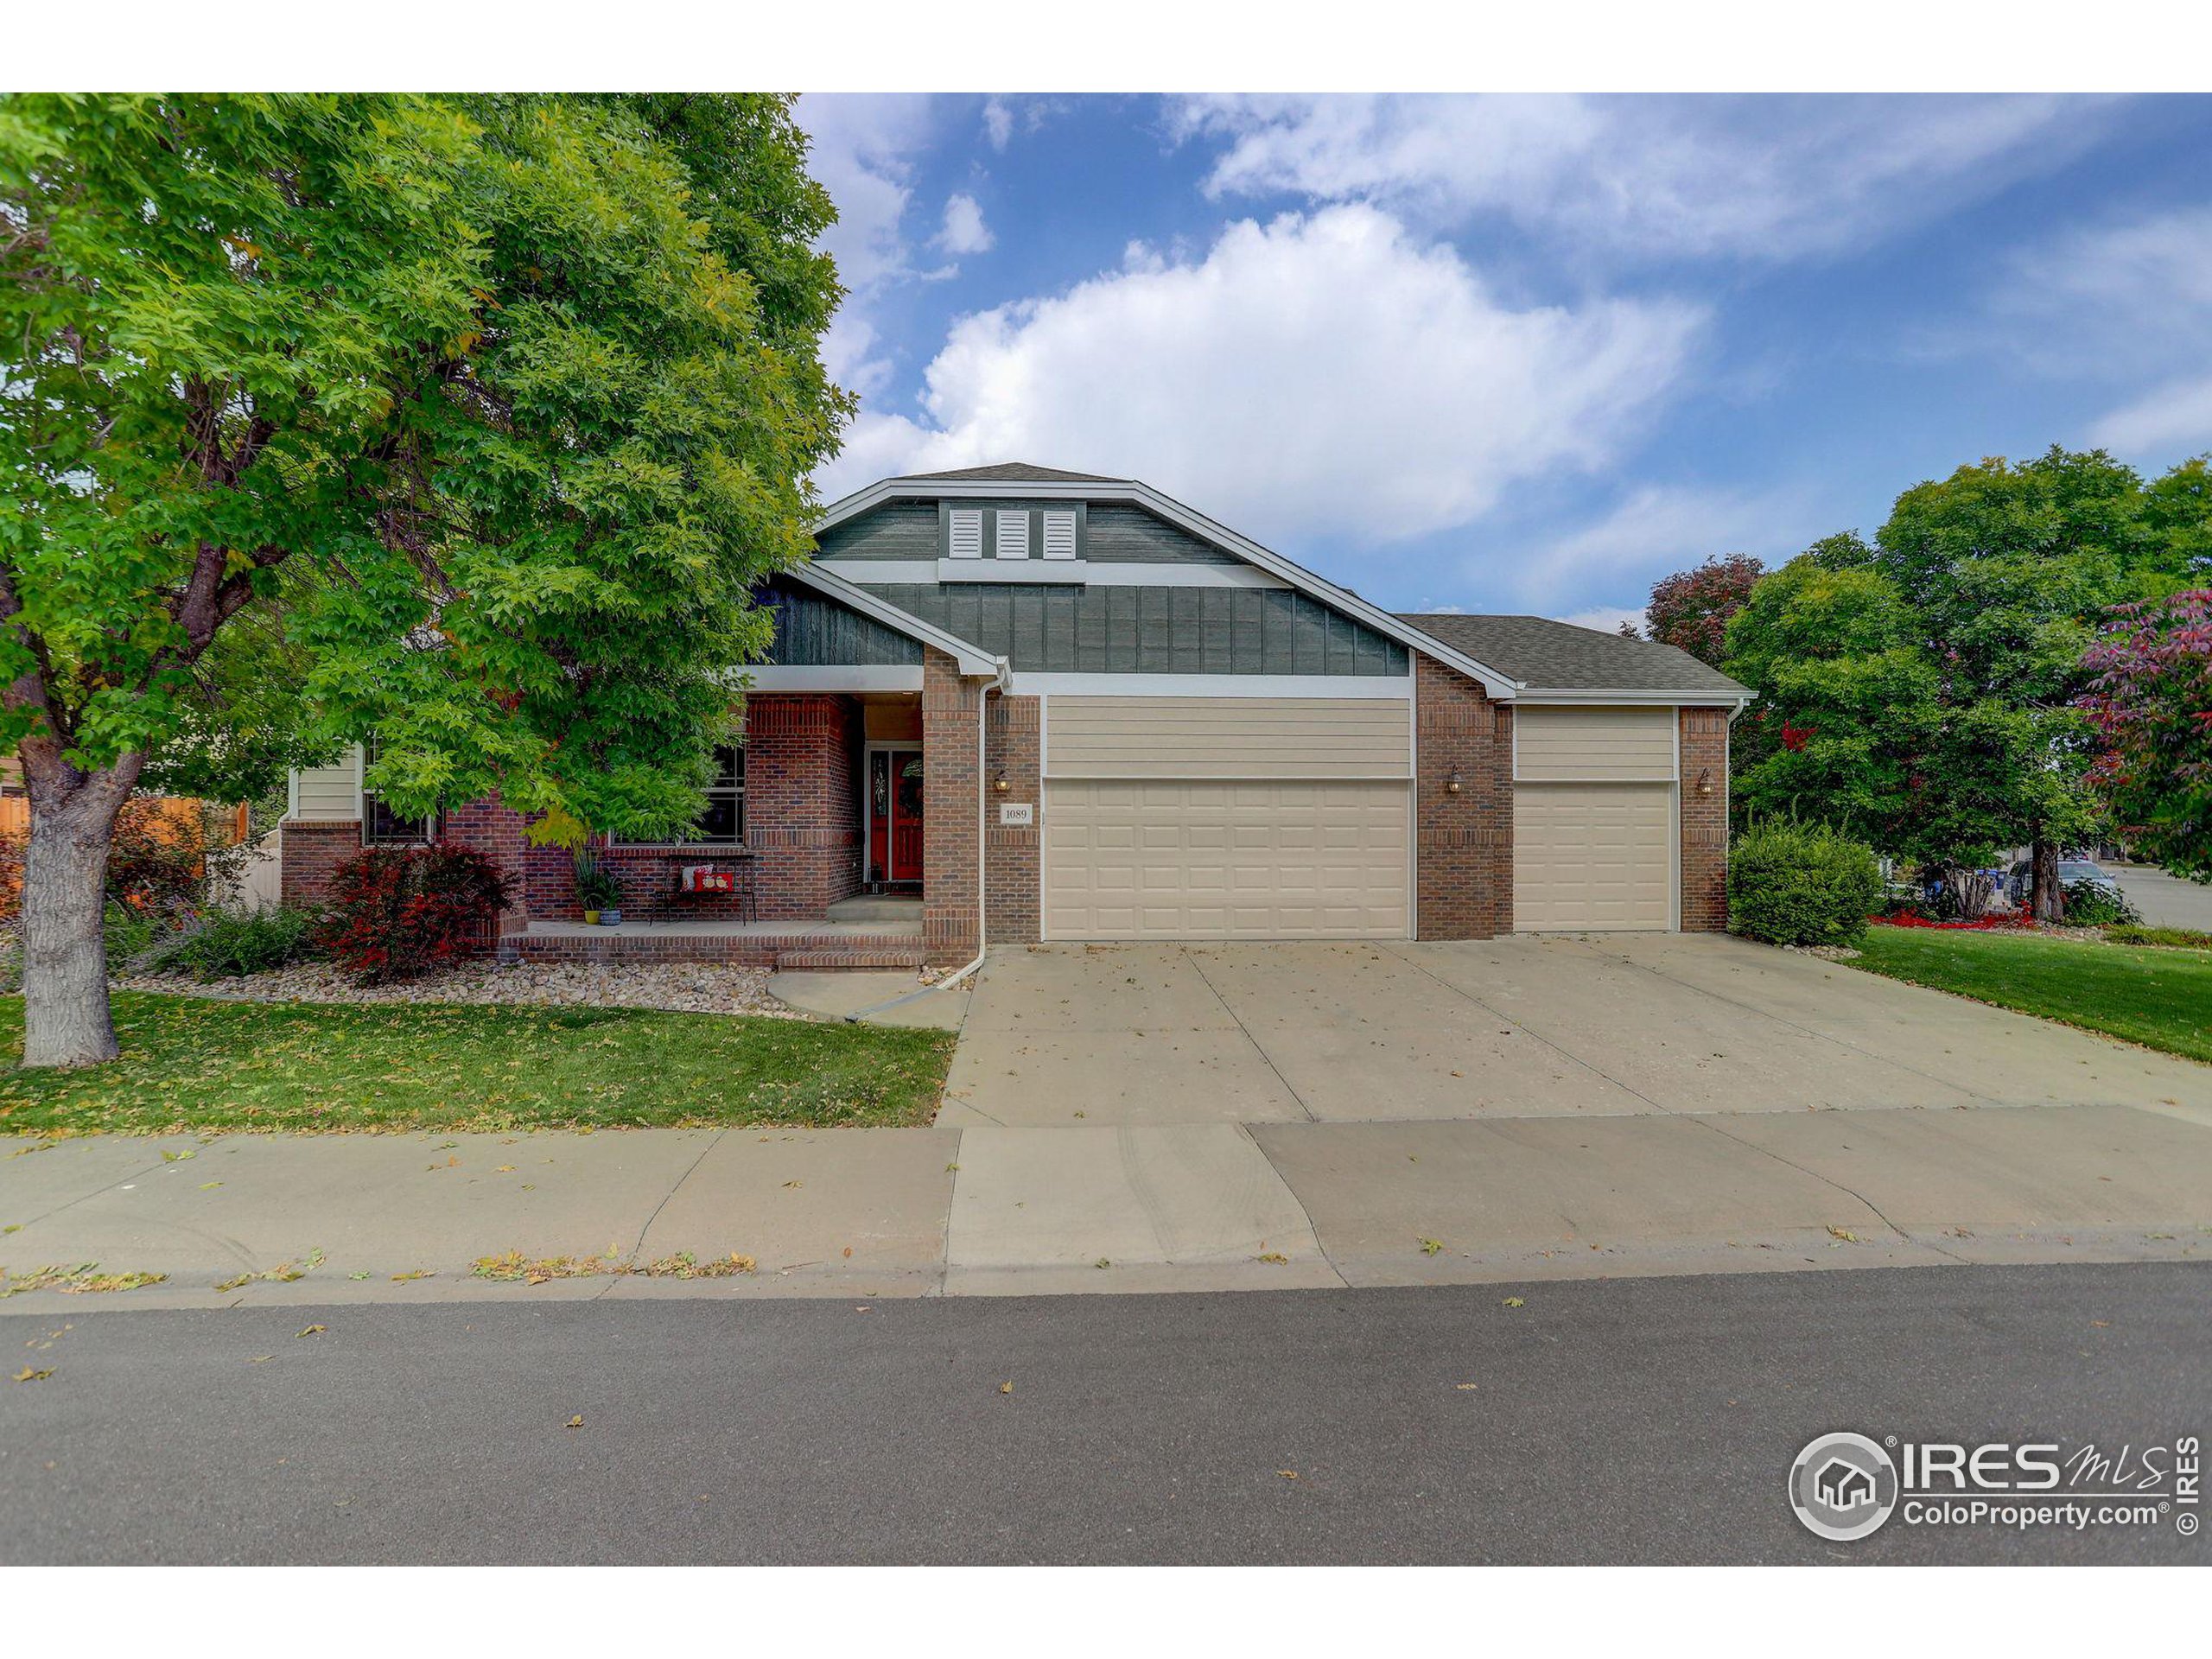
x=1979, y=924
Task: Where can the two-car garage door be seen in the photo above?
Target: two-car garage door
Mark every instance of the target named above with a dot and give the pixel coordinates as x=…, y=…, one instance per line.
x=1227, y=817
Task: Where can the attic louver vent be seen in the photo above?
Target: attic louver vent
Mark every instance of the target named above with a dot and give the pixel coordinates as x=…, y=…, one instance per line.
x=966, y=534
x=1059, y=535
x=1014, y=535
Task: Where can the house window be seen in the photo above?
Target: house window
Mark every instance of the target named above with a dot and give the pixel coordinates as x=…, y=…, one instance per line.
x=722, y=824
x=380, y=825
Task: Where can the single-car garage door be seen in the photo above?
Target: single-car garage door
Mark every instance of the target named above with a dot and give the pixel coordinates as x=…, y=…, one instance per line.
x=1136, y=860
x=1592, y=855
x=1227, y=817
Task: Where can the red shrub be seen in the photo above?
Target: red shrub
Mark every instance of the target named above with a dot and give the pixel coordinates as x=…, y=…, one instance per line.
x=396, y=913
x=1979, y=924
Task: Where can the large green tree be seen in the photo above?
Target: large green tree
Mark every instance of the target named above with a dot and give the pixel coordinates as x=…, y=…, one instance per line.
x=468, y=423
x=1927, y=684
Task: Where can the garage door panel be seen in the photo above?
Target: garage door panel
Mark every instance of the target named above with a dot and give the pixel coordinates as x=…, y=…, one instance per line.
x=1593, y=856
x=1128, y=860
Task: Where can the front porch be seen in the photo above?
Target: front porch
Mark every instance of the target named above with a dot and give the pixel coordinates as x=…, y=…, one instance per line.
x=865, y=931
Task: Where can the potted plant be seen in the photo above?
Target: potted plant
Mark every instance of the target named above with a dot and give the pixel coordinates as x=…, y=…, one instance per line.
x=598, y=890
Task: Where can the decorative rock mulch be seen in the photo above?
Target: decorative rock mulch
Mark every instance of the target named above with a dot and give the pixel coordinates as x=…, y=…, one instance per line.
x=682, y=987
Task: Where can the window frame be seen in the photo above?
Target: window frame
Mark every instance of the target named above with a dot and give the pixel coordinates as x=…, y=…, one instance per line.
x=373, y=803
x=734, y=790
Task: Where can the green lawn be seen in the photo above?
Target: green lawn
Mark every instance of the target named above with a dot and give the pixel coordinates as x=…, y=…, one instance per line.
x=192, y=1063
x=2162, y=999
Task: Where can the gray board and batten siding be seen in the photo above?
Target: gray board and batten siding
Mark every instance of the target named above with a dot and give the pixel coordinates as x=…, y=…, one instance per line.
x=815, y=631
x=1111, y=628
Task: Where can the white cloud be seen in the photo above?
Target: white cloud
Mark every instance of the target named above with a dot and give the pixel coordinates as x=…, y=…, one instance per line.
x=2122, y=303
x=964, y=231
x=861, y=150
x=1325, y=375
x=998, y=122
x=1767, y=177
x=1606, y=618
x=1655, y=530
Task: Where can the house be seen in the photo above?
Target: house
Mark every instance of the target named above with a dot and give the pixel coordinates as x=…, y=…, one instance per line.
x=1016, y=704
x=1844, y=1486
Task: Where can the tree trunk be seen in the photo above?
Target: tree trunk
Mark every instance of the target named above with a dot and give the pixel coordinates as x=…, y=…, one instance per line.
x=66, y=1017
x=2049, y=898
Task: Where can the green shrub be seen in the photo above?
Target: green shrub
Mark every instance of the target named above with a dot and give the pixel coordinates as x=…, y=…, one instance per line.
x=1791, y=882
x=2090, y=904
x=2187, y=938
x=129, y=933
x=227, y=943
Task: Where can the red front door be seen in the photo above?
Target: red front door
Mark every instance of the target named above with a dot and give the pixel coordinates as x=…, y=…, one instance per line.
x=895, y=800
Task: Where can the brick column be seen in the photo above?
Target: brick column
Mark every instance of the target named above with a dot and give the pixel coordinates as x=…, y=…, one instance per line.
x=308, y=850
x=1463, y=842
x=1704, y=820
x=1011, y=894
x=489, y=828
x=951, y=715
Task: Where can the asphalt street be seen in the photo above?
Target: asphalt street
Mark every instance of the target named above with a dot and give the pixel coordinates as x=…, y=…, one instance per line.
x=1651, y=1419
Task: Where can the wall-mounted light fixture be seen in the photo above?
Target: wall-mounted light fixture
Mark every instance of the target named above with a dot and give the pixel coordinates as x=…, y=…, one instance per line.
x=1705, y=781
x=1453, y=784
x=999, y=784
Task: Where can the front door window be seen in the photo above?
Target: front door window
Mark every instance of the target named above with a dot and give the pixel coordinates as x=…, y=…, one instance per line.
x=895, y=811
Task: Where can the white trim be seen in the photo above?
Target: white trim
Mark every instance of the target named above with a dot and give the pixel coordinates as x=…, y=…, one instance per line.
x=770, y=677
x=1494, y=685
x=1677, y=699
x=361, y=789
x=1097, y=573
x=972, y=659
x=1214, y=685
x=1011, y=569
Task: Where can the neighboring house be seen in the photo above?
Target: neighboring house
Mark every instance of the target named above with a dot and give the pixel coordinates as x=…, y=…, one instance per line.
x=1049, y=706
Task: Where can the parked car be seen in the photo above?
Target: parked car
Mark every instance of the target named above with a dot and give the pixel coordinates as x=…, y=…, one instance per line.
x=2020, y=884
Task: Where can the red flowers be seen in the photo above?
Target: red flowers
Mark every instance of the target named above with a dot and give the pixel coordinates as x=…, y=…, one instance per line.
x=1795, y=738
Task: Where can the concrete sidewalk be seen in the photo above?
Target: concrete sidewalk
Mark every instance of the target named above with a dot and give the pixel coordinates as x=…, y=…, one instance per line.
x=872, y=1213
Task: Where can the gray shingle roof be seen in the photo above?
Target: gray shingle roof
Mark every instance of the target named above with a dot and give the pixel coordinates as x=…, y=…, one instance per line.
x=1555, y=656
x=1013, y=472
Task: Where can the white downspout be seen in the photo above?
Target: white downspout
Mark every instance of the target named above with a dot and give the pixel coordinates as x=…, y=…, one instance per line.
x=999, y=681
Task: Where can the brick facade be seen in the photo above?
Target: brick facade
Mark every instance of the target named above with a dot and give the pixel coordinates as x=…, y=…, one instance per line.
x=1014, y=733
x=307, y=852
x=951, y=714
x=1464, y=843
x=1704, y=820
x=802, y=824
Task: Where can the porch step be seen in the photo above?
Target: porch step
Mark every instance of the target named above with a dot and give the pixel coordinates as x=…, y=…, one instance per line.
x=834, y=961
x=877, y=907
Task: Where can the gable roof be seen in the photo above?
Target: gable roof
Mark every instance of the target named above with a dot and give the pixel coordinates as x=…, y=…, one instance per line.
x=1014, y=471
x=1039, y=483
x=1548, y=656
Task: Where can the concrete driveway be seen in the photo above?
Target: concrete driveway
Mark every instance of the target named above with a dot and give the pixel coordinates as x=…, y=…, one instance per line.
x=1245, y=1115
x=1532, y=1026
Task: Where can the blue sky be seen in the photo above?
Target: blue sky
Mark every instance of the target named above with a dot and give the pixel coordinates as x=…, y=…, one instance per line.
x=1518, y=353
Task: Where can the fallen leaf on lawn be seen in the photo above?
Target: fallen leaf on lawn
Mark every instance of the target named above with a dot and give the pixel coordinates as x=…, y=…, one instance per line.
x=312, y=1330
x=1514, y=1301
x=26, y=1374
